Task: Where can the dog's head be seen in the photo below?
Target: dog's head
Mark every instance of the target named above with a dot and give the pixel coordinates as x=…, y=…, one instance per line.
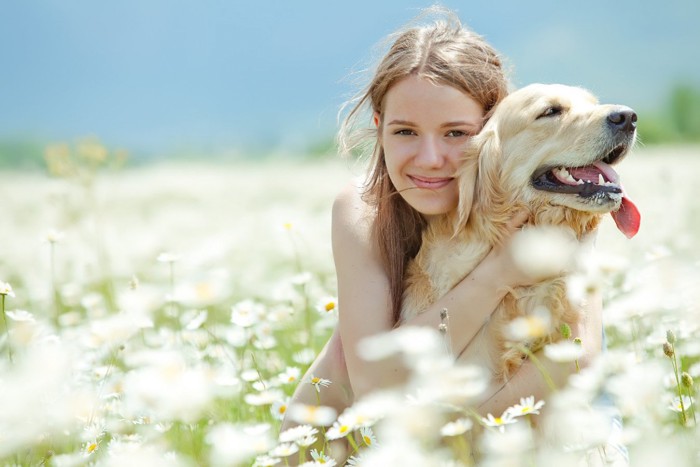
x=551, y=148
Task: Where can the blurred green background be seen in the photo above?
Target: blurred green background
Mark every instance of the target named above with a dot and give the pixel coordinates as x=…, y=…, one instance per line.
x=228, y=80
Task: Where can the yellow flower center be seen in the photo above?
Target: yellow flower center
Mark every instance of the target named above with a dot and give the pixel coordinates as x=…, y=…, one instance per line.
x=330, y=306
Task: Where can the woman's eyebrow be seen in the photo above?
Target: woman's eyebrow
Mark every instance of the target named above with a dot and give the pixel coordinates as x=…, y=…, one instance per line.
x=460, y=123
x=401, y=122
x=444, y=125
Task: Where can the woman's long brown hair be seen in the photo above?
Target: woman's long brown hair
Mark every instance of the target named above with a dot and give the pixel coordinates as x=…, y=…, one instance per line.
x=445, y=52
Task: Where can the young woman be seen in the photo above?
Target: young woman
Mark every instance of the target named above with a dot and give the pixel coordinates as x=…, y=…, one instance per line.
x=430, y=93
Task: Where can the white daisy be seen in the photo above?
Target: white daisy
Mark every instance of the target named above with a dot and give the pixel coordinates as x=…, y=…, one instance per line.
x=499, y=422
x=296, y=433
x=322, y=458
x=6, y=289
x=368, y=437
x=526, y=406
x=318, y=382
x=290, y=375
x=284, y=450
x=279, y=408
x=340, y=429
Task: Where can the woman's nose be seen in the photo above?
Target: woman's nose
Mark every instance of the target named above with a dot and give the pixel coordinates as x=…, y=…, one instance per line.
x=429, y=154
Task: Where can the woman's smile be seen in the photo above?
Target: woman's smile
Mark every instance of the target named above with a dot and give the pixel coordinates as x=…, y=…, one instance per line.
x=433, y=183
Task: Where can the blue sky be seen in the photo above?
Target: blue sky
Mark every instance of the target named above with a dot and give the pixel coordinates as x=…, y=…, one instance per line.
x=161, y=75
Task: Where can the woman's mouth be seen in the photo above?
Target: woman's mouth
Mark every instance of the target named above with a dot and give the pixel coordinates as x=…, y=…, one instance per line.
x=432, y=183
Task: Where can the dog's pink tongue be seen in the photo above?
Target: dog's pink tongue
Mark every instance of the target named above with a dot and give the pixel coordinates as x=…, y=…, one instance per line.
x=627, y=218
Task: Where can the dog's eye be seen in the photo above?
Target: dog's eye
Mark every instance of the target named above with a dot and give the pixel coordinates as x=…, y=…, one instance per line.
x=551, y=111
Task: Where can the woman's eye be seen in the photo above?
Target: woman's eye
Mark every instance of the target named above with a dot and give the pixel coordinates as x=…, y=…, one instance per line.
x=457, y=133
x=551, y=111
x=404, y=132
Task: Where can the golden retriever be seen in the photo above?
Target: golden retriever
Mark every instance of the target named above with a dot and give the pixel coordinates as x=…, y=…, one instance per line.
x=546, y=148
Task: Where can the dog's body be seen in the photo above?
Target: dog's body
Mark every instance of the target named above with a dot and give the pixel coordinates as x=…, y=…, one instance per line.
x=547, y=149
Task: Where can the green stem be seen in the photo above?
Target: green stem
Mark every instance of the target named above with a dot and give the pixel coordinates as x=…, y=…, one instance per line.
x=463, y=448
x=54, y=287
x=538, y=364
x=692, y=406
x=7, y=327
x=351, y=440
x=674, y=363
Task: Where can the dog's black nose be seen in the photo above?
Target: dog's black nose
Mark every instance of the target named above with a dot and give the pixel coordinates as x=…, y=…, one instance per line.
x=623, y=119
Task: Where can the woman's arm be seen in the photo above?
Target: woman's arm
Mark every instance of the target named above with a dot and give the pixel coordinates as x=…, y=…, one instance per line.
x=364, y=298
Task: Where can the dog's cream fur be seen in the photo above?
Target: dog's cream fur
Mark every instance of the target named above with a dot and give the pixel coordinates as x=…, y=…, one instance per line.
x=519, y=140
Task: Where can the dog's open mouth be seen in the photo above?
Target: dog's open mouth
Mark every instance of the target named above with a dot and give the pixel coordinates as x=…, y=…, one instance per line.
x=597, y=182
x=595, y=179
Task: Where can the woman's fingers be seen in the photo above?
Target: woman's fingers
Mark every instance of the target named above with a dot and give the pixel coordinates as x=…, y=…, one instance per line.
x=518, y=220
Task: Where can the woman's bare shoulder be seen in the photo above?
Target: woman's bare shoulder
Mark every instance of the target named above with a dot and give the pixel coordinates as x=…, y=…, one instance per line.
x=352, y=216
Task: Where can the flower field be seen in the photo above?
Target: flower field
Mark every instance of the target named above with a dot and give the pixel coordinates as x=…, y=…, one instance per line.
x=163, y=315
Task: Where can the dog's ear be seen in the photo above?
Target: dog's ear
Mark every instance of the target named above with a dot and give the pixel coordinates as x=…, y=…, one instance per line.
x=479, y=176
x=487, y=189
x=467, y=184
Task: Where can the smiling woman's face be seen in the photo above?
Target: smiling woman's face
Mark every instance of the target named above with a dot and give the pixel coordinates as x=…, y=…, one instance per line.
x=424, y=130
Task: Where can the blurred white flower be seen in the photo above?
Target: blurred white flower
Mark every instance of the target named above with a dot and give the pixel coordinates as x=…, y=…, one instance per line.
x=115, y=329
x=564, y=351
x=317, y=415
x=529, y=327
x=680, y=404
x=304, y=357
x=6, y=289
x=246, y=313
x=544, y=251
x=168, y=257
x=355, y=460
x=506, y=447
x=233, y=445
x=54, y=236
x=266, y=461
x=411, y=341
x=20, y=316
x=138, y=454
x=402, y=452
x=294, y=434
x=284, y=450
x=264, y=397
x=204, y=290
x=457, y=427
x=168, y=388
x=39, y=397
x=195, y=320
x=290, y=375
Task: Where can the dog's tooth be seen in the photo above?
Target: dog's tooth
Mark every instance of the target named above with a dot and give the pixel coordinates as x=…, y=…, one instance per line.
x=601, y=180
x=580, y=182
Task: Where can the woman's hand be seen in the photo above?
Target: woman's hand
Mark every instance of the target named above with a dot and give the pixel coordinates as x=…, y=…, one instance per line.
x=500, y=267
x=530, y=254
